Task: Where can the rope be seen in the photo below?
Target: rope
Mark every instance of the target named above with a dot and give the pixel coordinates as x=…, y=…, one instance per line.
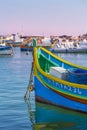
x=30, y=85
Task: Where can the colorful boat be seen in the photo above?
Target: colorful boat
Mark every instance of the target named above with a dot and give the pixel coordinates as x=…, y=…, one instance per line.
x=26, y=47
x=6, y=50
x=59, y=82
x=29, y=46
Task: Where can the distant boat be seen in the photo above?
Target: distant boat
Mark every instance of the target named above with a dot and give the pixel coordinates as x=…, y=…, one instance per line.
x=29, y=46
x=41, y=43
x=15, y=40
x=69, y=47
x=14, y=43
x=59, y=82
x=6, y=50
x=26, y=47
x=69, y=50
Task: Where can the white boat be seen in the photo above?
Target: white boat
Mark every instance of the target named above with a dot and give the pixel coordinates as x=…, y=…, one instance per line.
x=69, y=47
x=6, y=50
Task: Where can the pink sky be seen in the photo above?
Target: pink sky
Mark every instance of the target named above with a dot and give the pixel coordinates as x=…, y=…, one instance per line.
x=46, y=17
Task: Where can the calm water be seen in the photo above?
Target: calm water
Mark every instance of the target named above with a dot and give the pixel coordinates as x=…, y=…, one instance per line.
x=14, y=77
x=80, y=59
x=15, y=114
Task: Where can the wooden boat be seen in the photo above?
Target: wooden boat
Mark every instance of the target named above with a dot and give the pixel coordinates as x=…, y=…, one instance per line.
x=59, y=82
x=6, y=50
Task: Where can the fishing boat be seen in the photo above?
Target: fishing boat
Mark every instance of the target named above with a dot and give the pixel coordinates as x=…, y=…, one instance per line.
x=59, y=82
x=6, y=50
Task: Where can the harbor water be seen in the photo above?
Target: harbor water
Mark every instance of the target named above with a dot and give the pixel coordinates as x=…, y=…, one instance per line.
x=14, y=78
x=15, y=113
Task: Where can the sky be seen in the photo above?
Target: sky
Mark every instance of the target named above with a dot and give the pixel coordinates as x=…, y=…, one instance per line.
x=43, y=17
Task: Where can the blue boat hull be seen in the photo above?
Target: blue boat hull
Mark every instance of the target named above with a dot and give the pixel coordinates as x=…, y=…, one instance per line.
x=45, y=94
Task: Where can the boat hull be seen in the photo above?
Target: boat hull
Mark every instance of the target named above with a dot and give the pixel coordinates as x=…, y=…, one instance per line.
x=46, y=95
x=6, y=50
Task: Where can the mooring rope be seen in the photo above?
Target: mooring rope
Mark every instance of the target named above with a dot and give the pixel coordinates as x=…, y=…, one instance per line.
x=30, y=85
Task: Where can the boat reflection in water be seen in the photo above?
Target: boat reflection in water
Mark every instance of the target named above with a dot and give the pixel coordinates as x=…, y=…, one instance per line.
x=48, y=117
